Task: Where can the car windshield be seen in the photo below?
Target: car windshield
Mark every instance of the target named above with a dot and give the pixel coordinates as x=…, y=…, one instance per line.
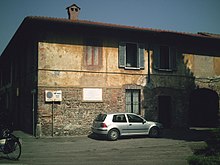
x=101, y=117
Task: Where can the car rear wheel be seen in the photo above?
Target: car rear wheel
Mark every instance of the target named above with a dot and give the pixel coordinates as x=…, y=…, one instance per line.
x=154, y=132
x=113, y=134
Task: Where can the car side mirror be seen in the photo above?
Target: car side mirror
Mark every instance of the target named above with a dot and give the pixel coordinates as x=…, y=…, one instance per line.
x=144, y=121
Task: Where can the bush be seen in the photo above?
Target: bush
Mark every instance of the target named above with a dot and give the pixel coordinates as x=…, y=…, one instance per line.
x=203, y=160
x=209, y=155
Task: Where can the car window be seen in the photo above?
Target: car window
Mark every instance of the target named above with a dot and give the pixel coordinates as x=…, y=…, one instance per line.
x=101, y=117
x=134, y=119
x=119, y=118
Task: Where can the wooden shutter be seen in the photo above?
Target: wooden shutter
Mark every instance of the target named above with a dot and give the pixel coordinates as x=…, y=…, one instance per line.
x=122, y=55
x=173, y=60
x=141, y=48
x=156, y=56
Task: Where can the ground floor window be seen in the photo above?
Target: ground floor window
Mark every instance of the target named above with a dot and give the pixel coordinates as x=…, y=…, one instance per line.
x=133, y=101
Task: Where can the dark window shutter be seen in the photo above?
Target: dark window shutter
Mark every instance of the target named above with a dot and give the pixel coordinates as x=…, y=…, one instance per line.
x=122, y=55
x=141, y=49
x=156, y=56
x=173, y=58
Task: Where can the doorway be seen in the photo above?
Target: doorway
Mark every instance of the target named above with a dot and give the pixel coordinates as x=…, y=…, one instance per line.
x=164, y=105
x=203, y=109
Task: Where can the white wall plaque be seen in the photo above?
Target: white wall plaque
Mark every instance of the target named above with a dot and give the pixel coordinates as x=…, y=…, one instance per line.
x=92, y=94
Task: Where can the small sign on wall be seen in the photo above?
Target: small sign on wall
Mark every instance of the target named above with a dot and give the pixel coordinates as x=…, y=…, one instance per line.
x=53, y=96
x=92, y=94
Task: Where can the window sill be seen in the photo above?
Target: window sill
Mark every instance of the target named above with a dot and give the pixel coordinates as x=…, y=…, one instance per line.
x=165, y=70
x=132, y=68
x=92, y=101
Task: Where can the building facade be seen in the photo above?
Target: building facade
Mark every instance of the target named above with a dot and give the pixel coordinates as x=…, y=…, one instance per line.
x=94, y=67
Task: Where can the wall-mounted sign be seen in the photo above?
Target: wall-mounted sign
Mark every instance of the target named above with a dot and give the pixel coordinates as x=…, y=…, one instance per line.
x=53, y=96
x=92, y=94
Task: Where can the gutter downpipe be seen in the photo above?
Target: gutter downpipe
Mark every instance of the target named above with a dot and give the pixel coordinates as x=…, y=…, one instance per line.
x=148, y=65
x=33, y=106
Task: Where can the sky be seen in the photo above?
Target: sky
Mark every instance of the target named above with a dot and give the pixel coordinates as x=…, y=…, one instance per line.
x=176, y=15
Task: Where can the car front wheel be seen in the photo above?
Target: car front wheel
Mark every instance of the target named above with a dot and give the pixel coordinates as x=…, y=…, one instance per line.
x=113, y=134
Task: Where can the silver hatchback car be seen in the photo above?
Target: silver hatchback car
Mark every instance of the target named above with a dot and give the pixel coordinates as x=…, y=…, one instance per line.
x=115, y=125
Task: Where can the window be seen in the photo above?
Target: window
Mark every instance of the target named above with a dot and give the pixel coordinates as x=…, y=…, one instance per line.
x=134, y=119
x=1, y=79
x=93, y=54
x=133, y=101
x=164, y=58
x=101, y=117
x=131, y=55
x=119, y=118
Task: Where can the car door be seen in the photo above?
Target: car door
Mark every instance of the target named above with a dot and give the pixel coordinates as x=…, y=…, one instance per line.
x=121, y=123
x=137, y=125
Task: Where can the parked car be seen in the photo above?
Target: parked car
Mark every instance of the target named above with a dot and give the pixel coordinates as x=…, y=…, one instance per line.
x=121, y=124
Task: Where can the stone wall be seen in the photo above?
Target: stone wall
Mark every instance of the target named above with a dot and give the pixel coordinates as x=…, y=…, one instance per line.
x=179, y=105
x=178, y=89
x=72, y=116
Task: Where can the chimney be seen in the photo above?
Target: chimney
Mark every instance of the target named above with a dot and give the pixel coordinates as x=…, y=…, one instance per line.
x=73, y=12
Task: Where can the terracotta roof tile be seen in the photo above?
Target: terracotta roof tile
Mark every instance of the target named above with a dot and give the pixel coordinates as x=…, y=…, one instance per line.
x=209, y=34
x=125, y=27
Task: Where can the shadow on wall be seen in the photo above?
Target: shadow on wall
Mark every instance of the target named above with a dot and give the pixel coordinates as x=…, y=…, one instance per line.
x=171, y=97
x=166, y=96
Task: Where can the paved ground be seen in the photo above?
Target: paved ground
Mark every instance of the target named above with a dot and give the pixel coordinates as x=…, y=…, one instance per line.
x=172, y=149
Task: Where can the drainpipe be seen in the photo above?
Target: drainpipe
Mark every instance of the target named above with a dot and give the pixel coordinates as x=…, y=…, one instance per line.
x=33, y=105
x=52, y=119
x=148, y=64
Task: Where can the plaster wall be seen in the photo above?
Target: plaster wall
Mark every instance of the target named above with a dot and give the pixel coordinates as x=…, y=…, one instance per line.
x=61, y=67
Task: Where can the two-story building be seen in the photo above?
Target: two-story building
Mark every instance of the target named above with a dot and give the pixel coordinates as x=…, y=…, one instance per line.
x=57, y=74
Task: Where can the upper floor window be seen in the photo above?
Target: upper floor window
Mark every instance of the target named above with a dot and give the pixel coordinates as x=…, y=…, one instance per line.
x=1, y=79
x=164, y=58
x=93, y=54
x=131, y=55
